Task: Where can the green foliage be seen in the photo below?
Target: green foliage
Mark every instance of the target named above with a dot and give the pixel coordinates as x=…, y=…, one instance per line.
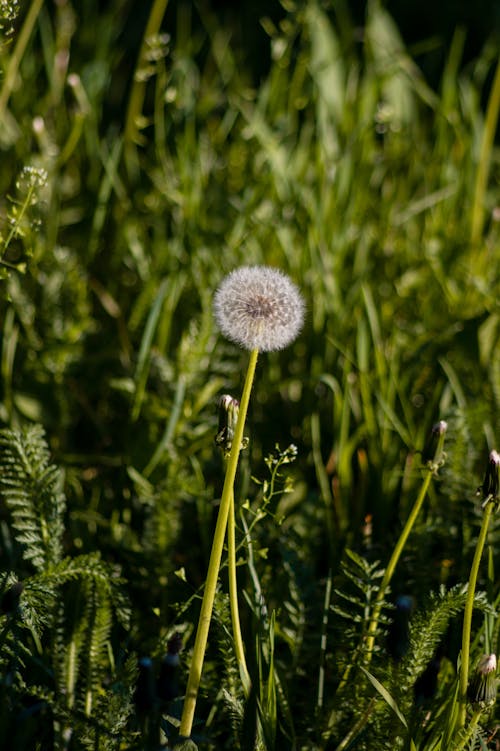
x=427, y=629
x=126, y=195
x=58, y=612
x=355, y=600
x=32, y=489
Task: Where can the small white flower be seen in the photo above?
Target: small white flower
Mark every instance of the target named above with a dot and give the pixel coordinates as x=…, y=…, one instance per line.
x=259, y=307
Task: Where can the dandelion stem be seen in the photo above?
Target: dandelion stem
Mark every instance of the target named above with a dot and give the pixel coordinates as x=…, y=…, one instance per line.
x=391, y=566
x=438, y=434
x=466, y=737
x=215, y=558
x=233, y=598
x=469, y=607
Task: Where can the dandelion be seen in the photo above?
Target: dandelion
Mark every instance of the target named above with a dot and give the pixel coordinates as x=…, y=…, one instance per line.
x=228, y=416
x=259, y=308
x=432, y=454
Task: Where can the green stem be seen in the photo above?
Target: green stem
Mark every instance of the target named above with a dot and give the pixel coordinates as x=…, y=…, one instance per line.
x=137, y=92
x=432, y=467
x=233, y=599
x=391, y=566
x=467, y=736
x=357, y=727
x=323, y=643
x=17, y=55
x=469, y=607
x=215, y=558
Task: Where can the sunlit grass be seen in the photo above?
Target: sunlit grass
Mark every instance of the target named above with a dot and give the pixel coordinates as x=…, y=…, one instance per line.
x=377, y=194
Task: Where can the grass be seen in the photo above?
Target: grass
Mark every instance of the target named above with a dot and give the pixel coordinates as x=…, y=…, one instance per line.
x=128, y=191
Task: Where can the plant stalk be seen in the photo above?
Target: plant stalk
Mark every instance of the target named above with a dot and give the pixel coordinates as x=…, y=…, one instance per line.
x=136, y=99
x=215, y=558
x=469, y=607
x=233, y=599
x=391, y=566
x=467, y=736
x=17, y=55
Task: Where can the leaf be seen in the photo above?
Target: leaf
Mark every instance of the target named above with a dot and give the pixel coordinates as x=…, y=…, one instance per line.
x=389, y=701
x=141, y=372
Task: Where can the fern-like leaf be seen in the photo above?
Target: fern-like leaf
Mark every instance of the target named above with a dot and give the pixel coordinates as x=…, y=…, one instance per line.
x=99, y=622
x=426, y=631
x=32, y=489
x=361, y=582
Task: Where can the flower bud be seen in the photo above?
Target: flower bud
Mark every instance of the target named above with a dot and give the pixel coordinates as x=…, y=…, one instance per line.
x=228, y=417
x=433, y=454
x=483, y=685
x=490, y=487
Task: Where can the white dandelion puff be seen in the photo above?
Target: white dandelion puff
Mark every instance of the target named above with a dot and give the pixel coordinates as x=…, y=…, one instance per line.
x=259, y=307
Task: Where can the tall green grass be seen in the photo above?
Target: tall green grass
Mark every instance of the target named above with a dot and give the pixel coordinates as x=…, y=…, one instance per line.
x=378, y=195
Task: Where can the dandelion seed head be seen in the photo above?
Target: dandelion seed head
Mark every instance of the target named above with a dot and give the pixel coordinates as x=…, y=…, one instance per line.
x=259, y=307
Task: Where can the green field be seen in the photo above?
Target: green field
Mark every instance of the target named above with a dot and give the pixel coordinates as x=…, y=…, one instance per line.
x=143, y=158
